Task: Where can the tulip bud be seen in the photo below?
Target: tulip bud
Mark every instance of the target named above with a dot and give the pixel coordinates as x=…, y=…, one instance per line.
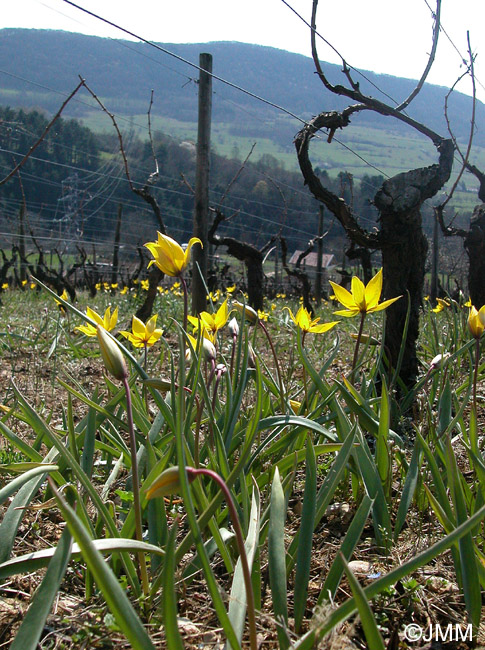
x=207, y=347
x=233, y=327
x=208, y=350
x=112, y=356
x=167, y=483
x=438, y=361
x=248, y=312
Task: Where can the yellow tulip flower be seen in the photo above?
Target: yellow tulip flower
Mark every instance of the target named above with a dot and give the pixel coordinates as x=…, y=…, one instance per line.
x=440, y=305
x=64, y=296
x=211, y=323
x=364, y=299
x=169, y=256
x=108, y=322
x=476, y=321
x=304, y=321
x=142, y=335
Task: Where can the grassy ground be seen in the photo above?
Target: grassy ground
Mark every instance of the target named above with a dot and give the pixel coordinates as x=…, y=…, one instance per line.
x=40, y=348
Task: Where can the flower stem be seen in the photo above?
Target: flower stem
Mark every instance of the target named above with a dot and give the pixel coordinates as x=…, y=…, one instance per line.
x=191, y=472
x=278, y=371
x=305, y=387
x=357, y=345
x=475, y=374
x=233, y=353
x=144, y=390
x=136, y=486
x=186, y=302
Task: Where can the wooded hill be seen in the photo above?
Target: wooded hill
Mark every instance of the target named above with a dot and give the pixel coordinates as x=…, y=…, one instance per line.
x=47, y=64
x=75, y=180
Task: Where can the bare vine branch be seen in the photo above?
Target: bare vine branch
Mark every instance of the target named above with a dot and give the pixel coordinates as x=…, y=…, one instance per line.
x=436, y=33
x=365, y=102
x=143, y=192
x=154, y=175
x=237, y=174
x=42, y=137
x=465, y=158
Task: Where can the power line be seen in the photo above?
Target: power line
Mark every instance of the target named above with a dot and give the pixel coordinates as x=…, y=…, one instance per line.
x=332, y=47
x=186, y=61
x=463, y=59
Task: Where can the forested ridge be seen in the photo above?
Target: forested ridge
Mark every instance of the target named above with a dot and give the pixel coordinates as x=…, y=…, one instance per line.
x=78, y=175
x=124, y=72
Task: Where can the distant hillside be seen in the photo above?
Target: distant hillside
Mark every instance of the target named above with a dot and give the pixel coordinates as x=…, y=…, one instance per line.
x=123, y=74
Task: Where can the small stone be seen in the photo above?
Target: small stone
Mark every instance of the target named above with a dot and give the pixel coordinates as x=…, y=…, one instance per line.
x=360, y=567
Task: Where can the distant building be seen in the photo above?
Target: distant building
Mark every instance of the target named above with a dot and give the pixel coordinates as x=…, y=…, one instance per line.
x=309, y=263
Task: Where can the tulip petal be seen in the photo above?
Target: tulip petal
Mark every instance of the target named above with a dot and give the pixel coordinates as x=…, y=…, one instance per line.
x=347, y=313
x=343, y=296
x=192, y=241
x=137, y=326
x=383, y=305
x=481, y=315
x=151, y=324
x=358, y=293
x=161, y=259
x=324, y=327
x=94, y=316
x=373, y=290
x=221, y=316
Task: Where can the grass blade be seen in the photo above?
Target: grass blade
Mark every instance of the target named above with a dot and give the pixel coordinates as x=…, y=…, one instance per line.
x=237, y=598
x=276, y=558
x=347, y=547
x=17, y=482
x=375, y=588
x=383, y=455
x=468, y=561
x=325, y=493
x=39, y=559
x=304, y=554
x=371, y=479
x=410, y=483
x=14, y=514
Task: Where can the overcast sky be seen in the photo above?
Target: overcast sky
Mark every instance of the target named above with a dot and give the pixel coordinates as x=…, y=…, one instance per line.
x=387, y=36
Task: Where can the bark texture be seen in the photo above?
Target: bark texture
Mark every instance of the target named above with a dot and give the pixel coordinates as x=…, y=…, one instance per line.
x=475, y=247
